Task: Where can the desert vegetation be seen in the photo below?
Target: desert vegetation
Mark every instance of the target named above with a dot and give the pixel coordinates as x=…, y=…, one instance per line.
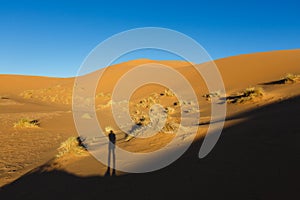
x=142, y=110
x=103, y=95
x=27, y=123
x=72, y=146
x=169, y=93
x=210, y=95
x=291, y=78
x=246, y=95
x=170, y=127
x=288, y=78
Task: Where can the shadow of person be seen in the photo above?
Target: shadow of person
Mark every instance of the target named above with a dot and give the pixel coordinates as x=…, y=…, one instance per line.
x=111, y=154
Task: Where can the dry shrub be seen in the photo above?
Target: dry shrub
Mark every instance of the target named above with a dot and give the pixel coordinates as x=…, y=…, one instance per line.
x=148, y=102
x=291, y=78
x=107, y=105
x=212, y=95
x=27, y=123
x=141, y=119
x=170, y=110
x=246, y=95
x=103, y=95
x=72, y=146
x=170, y=127
x=169, y=93
x=28, y=94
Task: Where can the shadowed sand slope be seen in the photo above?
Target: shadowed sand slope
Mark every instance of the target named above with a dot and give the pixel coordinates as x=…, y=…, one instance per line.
x=255, y=159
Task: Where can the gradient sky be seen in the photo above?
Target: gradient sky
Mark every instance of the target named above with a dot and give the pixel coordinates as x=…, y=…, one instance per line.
x=52, y=38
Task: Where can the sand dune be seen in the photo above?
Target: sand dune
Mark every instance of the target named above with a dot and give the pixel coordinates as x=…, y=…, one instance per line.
x=257, y=156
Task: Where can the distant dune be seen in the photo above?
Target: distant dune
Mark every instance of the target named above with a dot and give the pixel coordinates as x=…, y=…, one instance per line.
x=257, y=156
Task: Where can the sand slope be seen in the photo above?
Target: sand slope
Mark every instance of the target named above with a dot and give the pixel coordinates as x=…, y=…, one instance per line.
x=256, y=157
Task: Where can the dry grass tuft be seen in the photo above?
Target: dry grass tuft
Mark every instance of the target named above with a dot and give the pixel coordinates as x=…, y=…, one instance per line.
x=27, y=123
x=72, y=146
x=246, y=95
x=169, y=93
x=212, y=95
x=148, y=102
x=170, y=110
x=170, y=127
x=291, y=78
x=103, y=95
x=141, y=119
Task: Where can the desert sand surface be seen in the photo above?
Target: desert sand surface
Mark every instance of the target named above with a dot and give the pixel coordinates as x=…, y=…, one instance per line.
x=256, y=157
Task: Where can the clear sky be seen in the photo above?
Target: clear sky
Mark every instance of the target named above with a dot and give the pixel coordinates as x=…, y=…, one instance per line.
x=52, y=38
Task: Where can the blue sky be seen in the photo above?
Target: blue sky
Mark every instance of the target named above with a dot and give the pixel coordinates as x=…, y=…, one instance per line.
x=52, y=38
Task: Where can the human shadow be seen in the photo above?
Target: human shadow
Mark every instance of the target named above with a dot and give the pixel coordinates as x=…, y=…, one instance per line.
x=111, y=154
